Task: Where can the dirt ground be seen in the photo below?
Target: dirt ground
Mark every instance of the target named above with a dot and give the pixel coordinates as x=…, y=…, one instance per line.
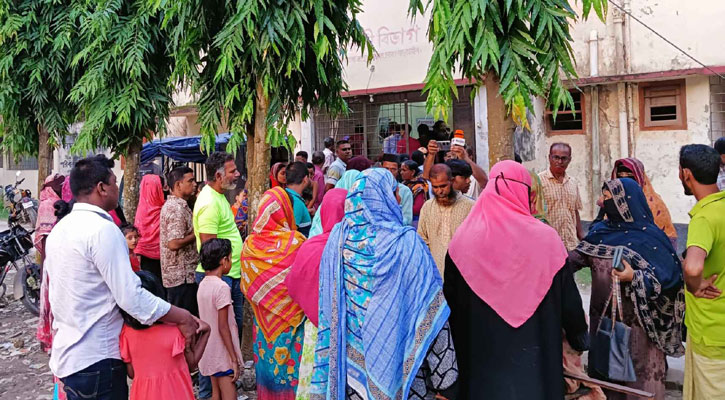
x=24, y=367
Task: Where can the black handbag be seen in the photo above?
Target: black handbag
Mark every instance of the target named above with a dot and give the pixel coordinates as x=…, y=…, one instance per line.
x=609, y=355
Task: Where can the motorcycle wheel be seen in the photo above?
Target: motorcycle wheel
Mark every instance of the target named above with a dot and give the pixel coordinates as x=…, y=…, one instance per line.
x=31, y=287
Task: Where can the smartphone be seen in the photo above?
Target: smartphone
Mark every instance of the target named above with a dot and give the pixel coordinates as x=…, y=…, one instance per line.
x=617, y=258
x=444, y=145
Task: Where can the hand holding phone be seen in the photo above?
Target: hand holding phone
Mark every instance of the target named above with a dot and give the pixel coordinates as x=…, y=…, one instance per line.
x=617, y=258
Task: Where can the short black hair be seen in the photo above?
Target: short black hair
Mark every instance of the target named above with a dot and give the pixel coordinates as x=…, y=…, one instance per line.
x=341, y=142
x=88, y=172
x=418, y=157
x=318, y=158
x=176, y=174
x=459, y=168
x=567, y=145
x=213, y=251
x=62, y=208
x=518, y=159
x=410, y=164
x=702, y=160
x=153, y=285
x=310, y=165
x=126, y=228
x=215, y=162
x=302, y=154
x=720, y=145
x=329, y=142
x=296, y=172
x=387, y=157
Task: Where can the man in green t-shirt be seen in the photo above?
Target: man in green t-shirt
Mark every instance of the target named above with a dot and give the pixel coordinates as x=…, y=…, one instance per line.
x=704, y=269
x=213, y=218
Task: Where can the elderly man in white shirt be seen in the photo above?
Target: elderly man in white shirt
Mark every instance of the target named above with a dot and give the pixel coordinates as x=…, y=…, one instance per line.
x=90, y=281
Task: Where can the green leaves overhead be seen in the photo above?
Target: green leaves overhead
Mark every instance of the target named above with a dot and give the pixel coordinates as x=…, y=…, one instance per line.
x=36, y=39
x=296, y=49
x=525, y=42
x=124, y=94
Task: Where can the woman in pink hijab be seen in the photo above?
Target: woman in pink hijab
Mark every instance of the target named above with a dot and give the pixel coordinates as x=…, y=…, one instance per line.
x=148, y=218
x=510, y=296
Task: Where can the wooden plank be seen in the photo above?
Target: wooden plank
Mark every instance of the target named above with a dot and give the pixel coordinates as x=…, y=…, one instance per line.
x=611, y=386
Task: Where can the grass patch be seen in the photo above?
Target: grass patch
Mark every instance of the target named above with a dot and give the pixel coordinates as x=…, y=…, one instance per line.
x=583, y=277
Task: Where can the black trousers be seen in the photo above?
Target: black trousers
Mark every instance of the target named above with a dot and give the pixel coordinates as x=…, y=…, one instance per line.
x=151, y=265
x=184, y=296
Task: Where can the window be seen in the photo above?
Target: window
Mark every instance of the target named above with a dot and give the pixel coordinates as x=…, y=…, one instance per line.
x=568, y=121
x=24, y=163
x=662, y=105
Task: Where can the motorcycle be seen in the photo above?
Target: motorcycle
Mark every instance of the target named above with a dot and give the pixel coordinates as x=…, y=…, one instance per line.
x=15, y=245
x=21, y=206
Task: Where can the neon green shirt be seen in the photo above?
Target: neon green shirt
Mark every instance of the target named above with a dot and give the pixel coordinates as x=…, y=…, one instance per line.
x=705, y=319
x=213, y=216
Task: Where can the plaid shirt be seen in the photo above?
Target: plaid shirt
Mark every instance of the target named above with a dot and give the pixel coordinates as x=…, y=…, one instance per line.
x=563, y=201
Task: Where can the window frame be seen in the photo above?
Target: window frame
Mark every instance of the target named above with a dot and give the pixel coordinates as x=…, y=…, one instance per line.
x=582, y=131
x=642, y=87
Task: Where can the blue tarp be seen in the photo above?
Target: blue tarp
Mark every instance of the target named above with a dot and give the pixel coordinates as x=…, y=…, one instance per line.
x=182, y=149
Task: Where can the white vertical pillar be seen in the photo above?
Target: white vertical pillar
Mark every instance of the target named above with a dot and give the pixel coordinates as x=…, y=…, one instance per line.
x=307, y=142
x=480, y=117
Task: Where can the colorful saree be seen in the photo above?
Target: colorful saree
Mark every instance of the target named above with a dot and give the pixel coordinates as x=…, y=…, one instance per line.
x=267, y=255
x=381, y=298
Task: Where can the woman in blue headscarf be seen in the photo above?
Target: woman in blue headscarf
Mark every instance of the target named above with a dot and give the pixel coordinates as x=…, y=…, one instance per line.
x=348, y=178
x=382, y=313
x=652, y=286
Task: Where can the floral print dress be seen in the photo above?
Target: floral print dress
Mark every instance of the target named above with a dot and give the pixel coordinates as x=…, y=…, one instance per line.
x=277, y=363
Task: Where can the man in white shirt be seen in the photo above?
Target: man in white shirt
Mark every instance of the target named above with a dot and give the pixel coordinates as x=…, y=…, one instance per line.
x=338, y=168
x=329, y=154
x=90, y=281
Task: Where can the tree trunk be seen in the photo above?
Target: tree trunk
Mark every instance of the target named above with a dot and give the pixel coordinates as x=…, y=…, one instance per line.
x=45, y=157
x=258, y=158
x=130, y=181
x=500, y=125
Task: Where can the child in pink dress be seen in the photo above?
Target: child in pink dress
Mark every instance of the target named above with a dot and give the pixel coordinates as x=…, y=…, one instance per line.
x=222, y=358
x=156, y=357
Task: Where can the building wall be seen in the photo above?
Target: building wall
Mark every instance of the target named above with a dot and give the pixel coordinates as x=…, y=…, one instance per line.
x=692, y=27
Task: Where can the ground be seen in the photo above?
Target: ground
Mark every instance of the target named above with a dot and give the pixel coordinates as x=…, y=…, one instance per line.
x=26, y=376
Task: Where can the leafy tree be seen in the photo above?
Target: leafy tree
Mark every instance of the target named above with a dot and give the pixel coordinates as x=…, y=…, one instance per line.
x=254, y=64
x=124, y=94
x=37, y=38
x=517, y=47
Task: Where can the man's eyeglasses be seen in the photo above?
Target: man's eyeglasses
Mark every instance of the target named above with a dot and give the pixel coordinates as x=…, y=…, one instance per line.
x=561, y=159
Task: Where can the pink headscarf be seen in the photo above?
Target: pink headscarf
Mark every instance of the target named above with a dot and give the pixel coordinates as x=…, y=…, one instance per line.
x=67, y=195
x=148, y=216
x=507, y=257
x=303, y=280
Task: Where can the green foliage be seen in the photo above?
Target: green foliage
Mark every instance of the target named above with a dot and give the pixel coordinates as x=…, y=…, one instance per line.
x=124, y=93
x=36, y=39
x=295, y=49
x=526, y=43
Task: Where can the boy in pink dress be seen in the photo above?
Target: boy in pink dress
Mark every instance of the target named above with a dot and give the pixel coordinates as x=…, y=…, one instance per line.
x=223, y=357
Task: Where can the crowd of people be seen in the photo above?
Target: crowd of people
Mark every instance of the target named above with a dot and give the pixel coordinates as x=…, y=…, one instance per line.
x=399, y=277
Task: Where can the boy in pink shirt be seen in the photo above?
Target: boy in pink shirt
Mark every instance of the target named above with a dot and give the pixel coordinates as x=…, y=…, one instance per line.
x=222, y=358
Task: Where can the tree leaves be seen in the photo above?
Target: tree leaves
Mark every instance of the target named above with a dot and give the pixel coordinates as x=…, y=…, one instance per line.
x=296, y=48
x=526, y=43
x=37, y=37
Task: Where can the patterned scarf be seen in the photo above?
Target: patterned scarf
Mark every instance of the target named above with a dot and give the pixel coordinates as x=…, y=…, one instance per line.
x=381, y=300
x=267, y=255
x=657, y=289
